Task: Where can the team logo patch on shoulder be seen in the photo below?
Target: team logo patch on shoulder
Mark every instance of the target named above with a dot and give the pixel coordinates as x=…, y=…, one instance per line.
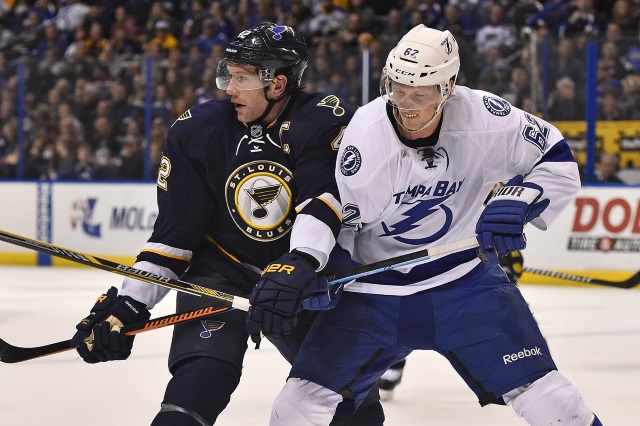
x=497, y=106
x=260, y=201
x=332, y=102
x=350, y=161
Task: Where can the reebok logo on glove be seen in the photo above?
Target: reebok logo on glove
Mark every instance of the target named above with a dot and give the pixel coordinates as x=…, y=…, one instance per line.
x=279, y=267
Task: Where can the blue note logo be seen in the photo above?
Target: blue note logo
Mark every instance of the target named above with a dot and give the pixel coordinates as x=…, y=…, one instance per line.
x=209, y=327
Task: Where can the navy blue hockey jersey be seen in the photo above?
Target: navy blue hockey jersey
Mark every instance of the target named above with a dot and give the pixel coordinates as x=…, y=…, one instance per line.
x=234, y=197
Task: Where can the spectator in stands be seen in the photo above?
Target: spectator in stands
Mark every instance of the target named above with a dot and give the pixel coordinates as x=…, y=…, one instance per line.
x=626, y=16
x=519, y=86
x=224, y=25
x=71, y=16
x=79, y=37
x=245, y=13
x=496, y=33
x=608, y=106
x=607, y=168
x=210, y=36
x=581, y=16
x=192, y=26
x=392, y=28
x=630, y=98
x=131, y=161
x=64, y=158
x=328, y=21
x=104, y=136
x=369, y=22
x=351, y=31
x=566, y=62
x=164, y=39
x=9, y=153
x=565, y=103
x=158, y=12
x=85, y=167
x=124, y=32
x=610, y=55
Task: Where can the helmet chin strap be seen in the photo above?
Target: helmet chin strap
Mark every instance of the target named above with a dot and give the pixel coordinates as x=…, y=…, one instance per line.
x=396, y=112
x=270, y=105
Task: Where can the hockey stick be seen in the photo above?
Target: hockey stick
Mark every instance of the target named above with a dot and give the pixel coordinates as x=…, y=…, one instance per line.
x=229, y=300
x=11, y=354
x=628, y=283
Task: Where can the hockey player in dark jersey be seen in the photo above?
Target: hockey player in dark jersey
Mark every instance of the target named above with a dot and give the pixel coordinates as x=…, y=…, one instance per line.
x=242, y=183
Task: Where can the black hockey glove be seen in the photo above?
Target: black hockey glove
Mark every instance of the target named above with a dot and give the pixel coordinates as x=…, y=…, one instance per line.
x=339, y=261
x=500, y=228
x=511, y=264
x=98, y=338
x=278, y=296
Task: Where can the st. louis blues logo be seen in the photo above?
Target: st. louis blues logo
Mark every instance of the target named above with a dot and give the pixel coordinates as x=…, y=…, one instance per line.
x=496, y=106
x=209, y=327
x=277, y=32
x=351, y=161
x=420, y=210
x=260, y=201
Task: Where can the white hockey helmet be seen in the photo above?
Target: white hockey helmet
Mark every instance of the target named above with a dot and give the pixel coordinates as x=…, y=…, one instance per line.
x=423, y=57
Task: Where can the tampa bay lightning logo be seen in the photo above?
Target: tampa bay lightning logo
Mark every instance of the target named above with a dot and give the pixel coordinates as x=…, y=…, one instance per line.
x=414, y=215
x=277, y=32
x=350, y=161
x=497, y=106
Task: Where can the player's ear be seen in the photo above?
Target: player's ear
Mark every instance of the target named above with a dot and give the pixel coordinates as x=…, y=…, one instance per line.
x=278, y=86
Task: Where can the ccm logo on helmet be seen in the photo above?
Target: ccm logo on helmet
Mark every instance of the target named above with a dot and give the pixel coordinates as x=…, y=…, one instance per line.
x=403, y=72
x=524, y=353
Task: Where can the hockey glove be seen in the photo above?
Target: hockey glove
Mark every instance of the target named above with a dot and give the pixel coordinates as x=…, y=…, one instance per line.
x=278, y=295
x=511, y=264
x=339, y=261
x=98, y=338
x=500, y=228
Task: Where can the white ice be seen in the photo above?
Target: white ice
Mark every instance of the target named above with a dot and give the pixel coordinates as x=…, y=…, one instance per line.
x=593, y=332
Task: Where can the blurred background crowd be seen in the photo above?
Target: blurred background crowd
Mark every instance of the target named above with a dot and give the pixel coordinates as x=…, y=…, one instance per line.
x=87, y=114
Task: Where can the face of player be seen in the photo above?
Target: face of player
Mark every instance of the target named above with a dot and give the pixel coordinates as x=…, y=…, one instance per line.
x=416, y=105
x=247, y=92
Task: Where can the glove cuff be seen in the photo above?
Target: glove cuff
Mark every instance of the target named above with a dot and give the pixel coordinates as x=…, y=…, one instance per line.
x=128, y=310
x=525, y=193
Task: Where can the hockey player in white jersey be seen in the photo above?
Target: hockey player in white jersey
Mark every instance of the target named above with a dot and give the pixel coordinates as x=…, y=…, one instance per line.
x=414, y=168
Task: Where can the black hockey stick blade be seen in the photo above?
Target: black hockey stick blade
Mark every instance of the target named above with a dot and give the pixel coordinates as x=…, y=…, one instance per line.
x=127, y=271
x=628, y=283
x=12, y=354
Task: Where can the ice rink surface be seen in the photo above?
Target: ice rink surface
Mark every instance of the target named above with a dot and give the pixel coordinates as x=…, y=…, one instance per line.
x=593, y=332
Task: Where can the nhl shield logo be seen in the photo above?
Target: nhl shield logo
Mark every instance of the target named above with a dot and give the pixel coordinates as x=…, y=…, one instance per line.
x=256, y=131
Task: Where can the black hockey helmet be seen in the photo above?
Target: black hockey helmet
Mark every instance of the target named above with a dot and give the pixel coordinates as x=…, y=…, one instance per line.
x=273, y=49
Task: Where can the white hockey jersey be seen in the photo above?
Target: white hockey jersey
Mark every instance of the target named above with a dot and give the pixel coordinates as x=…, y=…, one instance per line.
x=398, y=199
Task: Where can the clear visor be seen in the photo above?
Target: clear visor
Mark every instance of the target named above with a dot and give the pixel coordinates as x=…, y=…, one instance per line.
x=406, y=97
x=242, y=76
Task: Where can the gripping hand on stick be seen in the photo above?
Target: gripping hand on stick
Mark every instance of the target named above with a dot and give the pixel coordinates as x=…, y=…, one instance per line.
x=98, y=338
x=500, y=229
